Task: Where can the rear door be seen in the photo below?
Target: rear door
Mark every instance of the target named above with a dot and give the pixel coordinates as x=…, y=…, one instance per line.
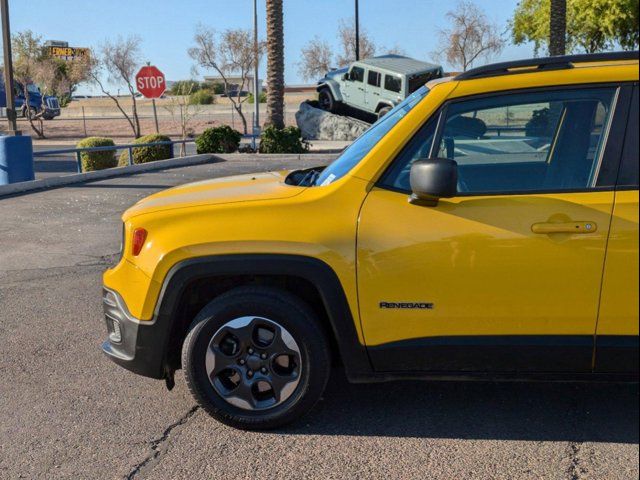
x=617, y=332
x=373, y=89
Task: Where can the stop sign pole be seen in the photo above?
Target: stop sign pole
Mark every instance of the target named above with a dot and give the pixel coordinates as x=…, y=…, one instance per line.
x=151, y=84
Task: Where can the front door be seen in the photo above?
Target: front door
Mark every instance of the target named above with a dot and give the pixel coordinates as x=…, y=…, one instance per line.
x=506, y=276
x=353, y=90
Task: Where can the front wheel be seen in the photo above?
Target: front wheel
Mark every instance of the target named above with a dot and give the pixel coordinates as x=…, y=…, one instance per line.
x=31, y=112
x=326, y=100
x=256, y=358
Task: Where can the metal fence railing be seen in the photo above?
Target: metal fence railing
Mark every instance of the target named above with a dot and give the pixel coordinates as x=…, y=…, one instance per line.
x=129, y=147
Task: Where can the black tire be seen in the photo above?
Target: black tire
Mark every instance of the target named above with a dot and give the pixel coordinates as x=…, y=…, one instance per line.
x=383, y=111
x=32, y=112
x=290, y=313
x=326, y=100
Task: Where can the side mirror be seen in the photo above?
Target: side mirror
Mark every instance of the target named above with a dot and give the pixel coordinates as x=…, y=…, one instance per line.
x=345, y=76
x=432, y=179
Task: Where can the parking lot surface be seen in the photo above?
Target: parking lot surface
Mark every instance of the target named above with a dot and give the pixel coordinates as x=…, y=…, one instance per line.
x=68, y=412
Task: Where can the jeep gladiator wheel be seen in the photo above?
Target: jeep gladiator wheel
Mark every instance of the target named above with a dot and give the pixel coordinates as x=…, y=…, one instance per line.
x=256, y=358
x=326, y=100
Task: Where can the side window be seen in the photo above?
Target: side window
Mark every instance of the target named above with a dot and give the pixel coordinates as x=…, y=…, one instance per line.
x=373, y=78
x=542, y=141
x=393, y=84
x=628, y=176
x=356, y=74
x=397, y=175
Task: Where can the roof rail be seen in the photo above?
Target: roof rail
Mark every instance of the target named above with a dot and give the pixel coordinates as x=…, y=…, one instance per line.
x=545, y=63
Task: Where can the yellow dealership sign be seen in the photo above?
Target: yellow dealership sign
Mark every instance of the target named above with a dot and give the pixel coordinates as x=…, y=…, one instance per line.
x=69, y=53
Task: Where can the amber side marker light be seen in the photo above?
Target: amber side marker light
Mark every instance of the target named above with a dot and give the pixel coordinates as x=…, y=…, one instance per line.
x=139, y=237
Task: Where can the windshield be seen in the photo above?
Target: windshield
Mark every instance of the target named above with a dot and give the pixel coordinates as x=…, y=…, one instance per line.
x=363, y=144
x=33, y=88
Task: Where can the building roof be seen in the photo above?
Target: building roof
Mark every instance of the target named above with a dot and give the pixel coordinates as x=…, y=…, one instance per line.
x=400, y=64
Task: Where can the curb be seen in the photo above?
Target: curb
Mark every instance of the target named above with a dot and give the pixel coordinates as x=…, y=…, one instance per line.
x=56, y=182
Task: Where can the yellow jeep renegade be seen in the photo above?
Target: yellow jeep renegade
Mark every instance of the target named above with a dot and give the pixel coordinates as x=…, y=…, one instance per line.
x=485, y=227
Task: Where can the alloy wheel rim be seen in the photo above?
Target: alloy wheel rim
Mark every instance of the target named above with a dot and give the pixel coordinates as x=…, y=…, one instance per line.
x=253, y=363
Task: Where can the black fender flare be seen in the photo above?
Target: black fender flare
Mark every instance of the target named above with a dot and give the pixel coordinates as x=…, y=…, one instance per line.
x=353, y=353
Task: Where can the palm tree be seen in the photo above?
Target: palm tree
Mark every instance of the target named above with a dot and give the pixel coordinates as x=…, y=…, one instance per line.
x=275, y=64
x=557, y=27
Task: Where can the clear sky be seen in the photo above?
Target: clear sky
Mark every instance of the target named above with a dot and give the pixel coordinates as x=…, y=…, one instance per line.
x=166, y=27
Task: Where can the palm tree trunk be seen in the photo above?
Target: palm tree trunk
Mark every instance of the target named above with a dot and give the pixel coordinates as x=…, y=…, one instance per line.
x=557, y=27
x=275, y=64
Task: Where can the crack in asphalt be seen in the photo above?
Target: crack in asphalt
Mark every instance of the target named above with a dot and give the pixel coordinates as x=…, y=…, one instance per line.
x=575, y=471
x=93, y=261
x=158, y=446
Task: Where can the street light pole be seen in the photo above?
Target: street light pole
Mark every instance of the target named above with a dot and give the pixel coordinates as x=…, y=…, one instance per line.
x=8, y=69
x=357, y=32
x=256, y=83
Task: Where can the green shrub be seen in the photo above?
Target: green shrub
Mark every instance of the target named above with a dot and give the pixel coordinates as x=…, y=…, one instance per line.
x=147, y=154
x=184, y=87
x=97, y=160
x=64, y=100
x=287, y=140
x=222, y=139
x=216, y=87
x=201, y=97
x=263, y=97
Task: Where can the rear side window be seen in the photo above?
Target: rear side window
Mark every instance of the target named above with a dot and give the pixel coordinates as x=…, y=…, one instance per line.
x=374, y=78
x=356, y=74
x=628, y=176
x=393, y=84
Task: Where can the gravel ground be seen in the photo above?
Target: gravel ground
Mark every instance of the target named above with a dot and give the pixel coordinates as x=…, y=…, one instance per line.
x=68, y=412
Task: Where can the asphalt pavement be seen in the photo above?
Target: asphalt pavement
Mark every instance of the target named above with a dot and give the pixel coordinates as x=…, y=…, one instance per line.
x=69, y=412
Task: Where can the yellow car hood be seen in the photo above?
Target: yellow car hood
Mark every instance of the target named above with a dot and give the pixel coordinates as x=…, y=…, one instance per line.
x=240, y=188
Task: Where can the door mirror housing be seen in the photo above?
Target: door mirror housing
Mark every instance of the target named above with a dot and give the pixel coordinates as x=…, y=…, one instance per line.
x=345, y=76
x=432, y=179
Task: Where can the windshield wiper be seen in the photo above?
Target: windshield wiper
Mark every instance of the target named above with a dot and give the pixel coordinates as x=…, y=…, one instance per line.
x=305, y=177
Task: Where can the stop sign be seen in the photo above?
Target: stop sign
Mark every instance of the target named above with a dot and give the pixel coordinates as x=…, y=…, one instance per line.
x=150, y=82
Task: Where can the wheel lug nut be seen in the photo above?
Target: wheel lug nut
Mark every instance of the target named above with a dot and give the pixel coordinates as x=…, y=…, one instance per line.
x=242, y=362
x=263, y=370
x=251, y=351
x=250, y=373
x=263, y=356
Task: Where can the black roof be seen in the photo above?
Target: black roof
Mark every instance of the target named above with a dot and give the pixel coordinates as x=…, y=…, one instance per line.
x=544, y=63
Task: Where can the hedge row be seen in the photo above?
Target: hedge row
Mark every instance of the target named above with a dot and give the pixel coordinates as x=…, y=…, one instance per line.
x=221, y=139
x=107, y=159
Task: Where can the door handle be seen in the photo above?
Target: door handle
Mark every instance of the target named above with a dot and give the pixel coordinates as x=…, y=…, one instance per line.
x=564, y=227
x=361, y=89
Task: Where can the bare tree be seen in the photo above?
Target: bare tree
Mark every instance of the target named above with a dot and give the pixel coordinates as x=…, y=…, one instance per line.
x=347, y=39
x=316, y=59
x=275, y=64
x=395, y=50
x=28, y=58
x=228, y=54
x=179, y=106
x=120, y=60
x=471, y=36
x=558, y=27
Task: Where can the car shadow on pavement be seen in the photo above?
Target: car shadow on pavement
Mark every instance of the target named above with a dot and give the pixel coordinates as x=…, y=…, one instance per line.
x=580, y=412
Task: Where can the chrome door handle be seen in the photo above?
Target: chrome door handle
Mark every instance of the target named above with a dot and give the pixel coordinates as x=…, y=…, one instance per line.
x=564, y=227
